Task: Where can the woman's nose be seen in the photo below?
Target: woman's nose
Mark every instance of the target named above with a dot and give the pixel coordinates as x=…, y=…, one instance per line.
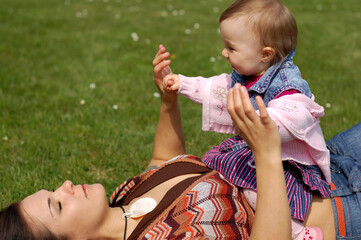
x=67, y=187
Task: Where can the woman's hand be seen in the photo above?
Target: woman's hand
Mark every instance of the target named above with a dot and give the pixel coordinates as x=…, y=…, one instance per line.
x=161, y=69
x=260, y=132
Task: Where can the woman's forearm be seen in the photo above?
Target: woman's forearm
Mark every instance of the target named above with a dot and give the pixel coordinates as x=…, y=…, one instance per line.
x=169, y=136
x=273, y=217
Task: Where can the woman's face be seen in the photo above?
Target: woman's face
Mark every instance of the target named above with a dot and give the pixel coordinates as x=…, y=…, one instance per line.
x=76, y=211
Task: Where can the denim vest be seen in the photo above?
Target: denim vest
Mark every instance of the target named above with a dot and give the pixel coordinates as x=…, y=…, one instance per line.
x=280, y=77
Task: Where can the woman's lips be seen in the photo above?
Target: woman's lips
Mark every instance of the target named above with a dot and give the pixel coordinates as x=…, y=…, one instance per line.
x=85, y=189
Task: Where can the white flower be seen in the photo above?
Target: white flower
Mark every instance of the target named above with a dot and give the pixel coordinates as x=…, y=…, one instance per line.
x=319, y=7
x=164, y=13
x=78, y=14
x=220, y=93
x=328, y=105
x=5, y=138
x=175, y=12
x=196, y=26
x=82, y=102
x=85, y=12
x=92, y=85
x=147, y=41
x=115, y=107
x=212, y=59
x=216, y=9
x=181, y=12
x=135, y=37
x=156, y=95
x=67, y=2
x=187, y=31
x=117, y=16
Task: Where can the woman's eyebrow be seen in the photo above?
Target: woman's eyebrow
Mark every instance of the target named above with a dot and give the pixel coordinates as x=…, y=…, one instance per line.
x=49, y=202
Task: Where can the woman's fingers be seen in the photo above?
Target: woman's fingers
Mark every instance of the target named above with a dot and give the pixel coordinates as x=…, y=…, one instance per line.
x=161, y=50
x=262, y=110
x=234, y=107
x=160, y=56
x=238, y=101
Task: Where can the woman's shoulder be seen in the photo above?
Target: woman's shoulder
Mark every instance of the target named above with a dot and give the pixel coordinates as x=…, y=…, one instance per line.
x=179, y=165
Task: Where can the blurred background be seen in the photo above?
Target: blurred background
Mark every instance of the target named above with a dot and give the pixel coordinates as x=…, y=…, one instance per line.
x=77, y=99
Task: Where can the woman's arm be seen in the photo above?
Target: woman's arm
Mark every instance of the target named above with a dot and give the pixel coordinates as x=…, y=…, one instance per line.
x=273, y=217
x=169, y=136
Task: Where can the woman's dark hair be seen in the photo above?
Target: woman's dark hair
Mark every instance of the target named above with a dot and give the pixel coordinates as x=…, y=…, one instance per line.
x=14, y=227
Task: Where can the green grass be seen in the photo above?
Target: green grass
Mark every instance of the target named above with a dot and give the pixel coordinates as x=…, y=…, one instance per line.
x=51, y=51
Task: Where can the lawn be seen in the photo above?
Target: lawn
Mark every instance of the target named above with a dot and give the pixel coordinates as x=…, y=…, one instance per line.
x=76, y=93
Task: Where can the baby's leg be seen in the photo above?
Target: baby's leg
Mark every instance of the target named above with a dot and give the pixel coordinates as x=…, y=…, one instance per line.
x=300, y=232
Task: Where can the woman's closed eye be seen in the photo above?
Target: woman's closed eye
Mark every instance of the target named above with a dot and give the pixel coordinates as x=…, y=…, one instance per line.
x=60, y=206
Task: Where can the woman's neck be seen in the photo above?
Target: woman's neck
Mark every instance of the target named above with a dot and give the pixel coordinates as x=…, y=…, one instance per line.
x=112, y=226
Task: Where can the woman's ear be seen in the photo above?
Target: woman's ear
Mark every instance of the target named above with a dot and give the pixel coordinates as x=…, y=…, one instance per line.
x=267, y=54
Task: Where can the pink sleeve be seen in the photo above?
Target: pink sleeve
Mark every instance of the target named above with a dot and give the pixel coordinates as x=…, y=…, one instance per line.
x=297, y=117
x=212, y=94
x=193, y=88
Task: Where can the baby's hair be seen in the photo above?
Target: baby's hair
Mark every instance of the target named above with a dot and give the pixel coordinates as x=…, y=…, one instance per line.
x=272, y=22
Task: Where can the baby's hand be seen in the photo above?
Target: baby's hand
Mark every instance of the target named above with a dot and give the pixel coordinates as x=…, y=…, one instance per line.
x=171, y=82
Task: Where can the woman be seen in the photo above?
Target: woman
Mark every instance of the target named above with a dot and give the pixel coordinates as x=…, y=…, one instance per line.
x=191, y=200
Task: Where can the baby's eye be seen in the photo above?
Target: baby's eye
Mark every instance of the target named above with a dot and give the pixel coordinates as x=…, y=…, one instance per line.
x=60, y=206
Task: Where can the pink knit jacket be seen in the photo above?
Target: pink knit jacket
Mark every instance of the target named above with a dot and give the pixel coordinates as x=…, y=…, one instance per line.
x=296, y=116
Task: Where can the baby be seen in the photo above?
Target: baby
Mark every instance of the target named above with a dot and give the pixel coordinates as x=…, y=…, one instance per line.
x=260, y=37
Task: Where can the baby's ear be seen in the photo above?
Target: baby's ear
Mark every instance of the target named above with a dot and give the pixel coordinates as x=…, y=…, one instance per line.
x=267, y=54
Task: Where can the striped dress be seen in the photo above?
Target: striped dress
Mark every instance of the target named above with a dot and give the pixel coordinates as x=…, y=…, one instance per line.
x=235, y=161
x=203, y=207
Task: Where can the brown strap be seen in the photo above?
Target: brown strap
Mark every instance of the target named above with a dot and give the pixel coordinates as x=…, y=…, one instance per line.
x=163, y=174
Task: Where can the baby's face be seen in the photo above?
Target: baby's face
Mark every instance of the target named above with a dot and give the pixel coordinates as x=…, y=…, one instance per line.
x=242, y=47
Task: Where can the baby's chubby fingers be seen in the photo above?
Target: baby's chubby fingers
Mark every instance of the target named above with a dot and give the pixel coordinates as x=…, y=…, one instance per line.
x=171, y=82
